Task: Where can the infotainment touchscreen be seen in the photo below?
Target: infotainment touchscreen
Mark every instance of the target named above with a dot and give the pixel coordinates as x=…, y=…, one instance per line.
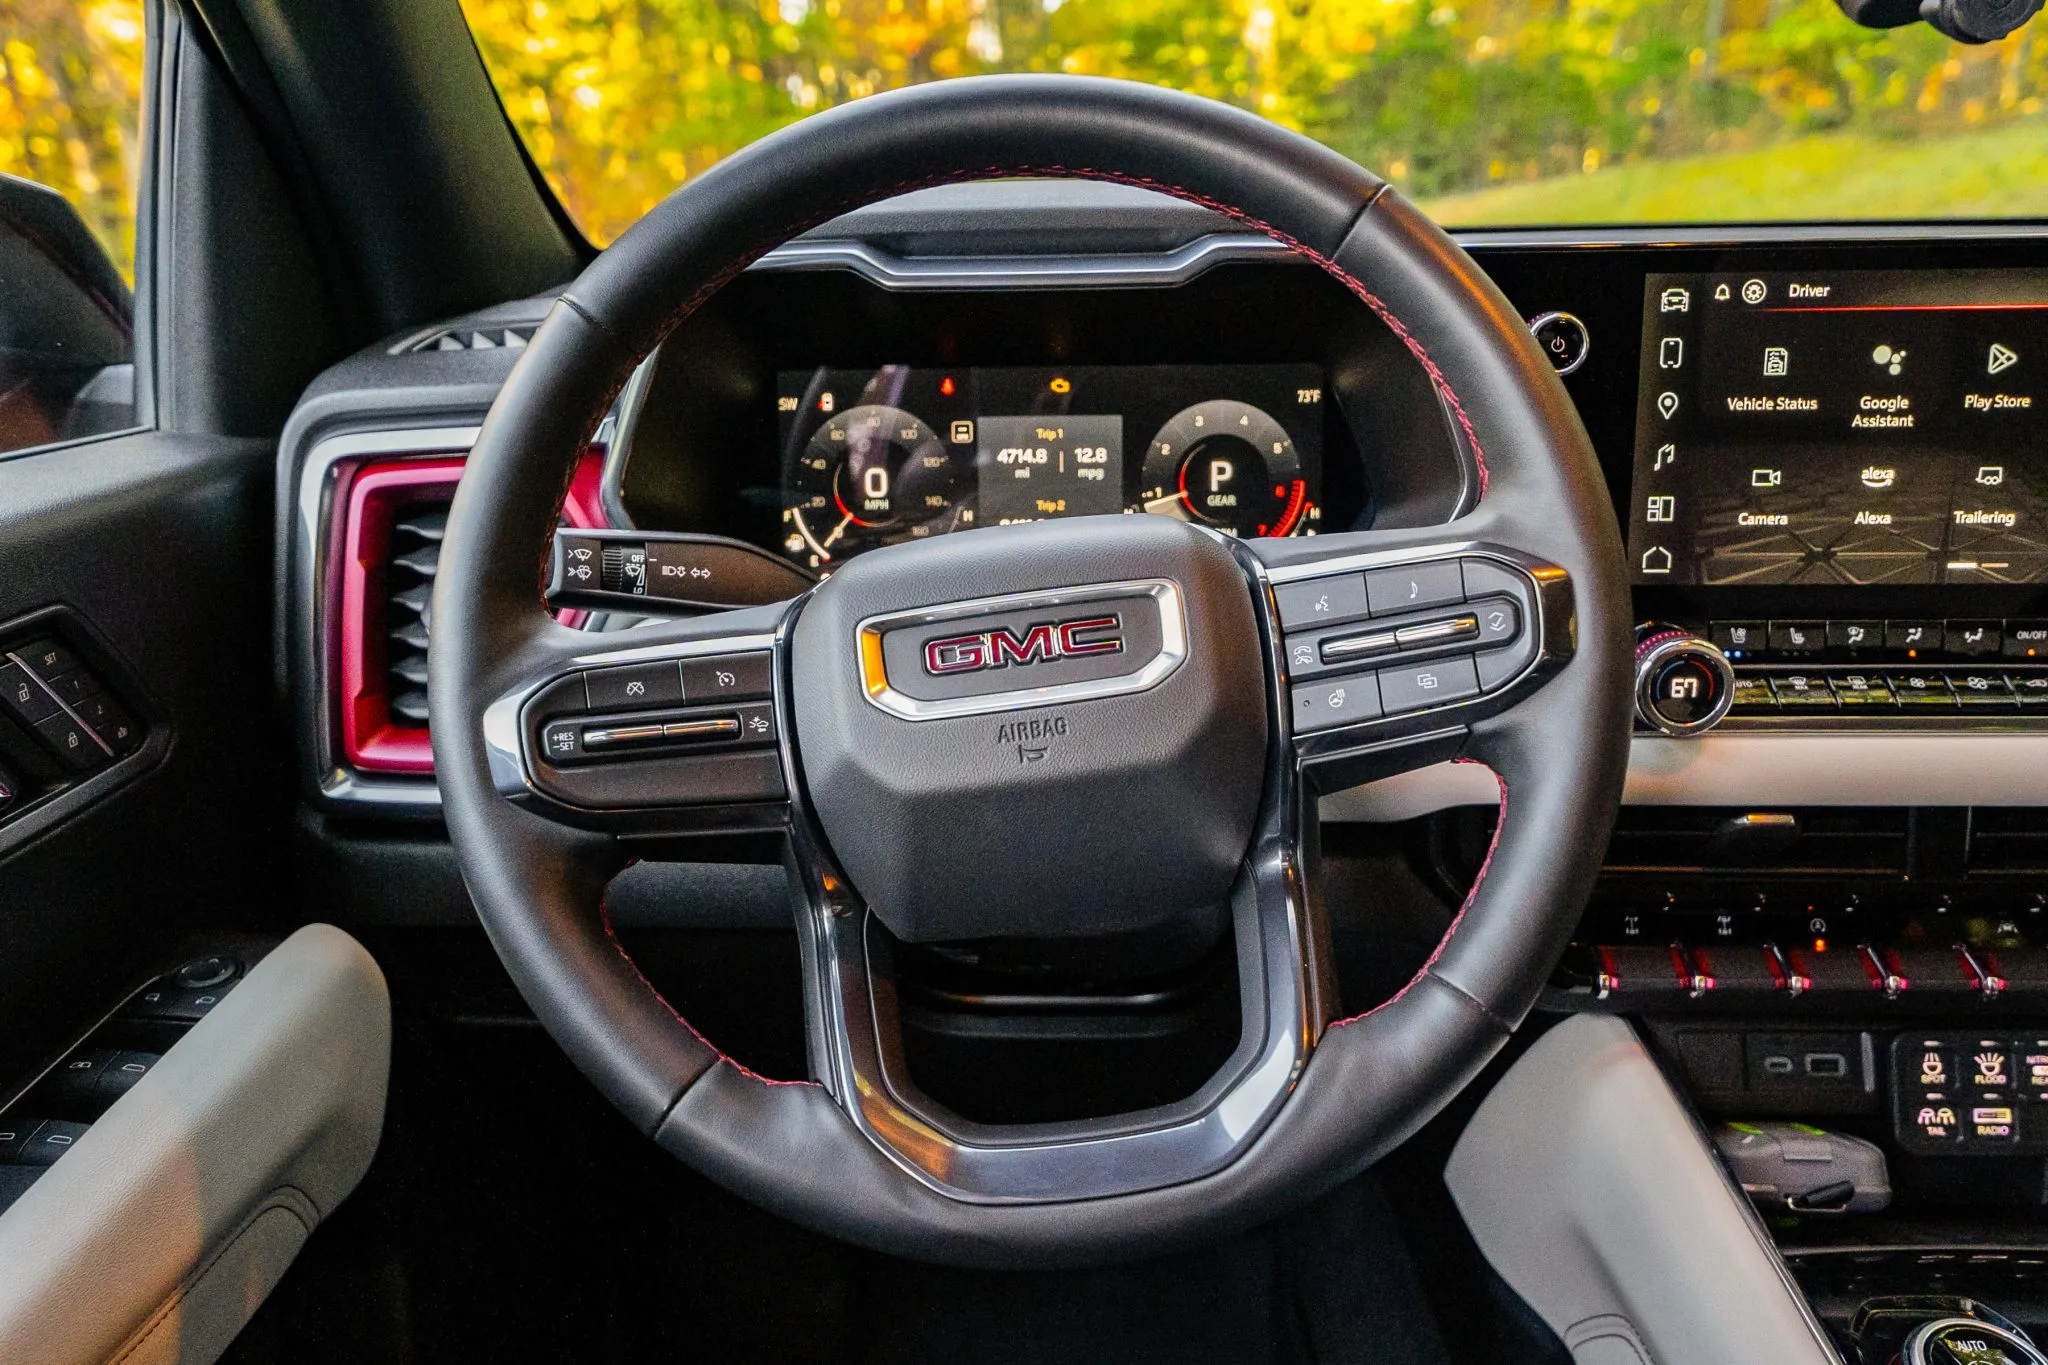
x=1842, y=427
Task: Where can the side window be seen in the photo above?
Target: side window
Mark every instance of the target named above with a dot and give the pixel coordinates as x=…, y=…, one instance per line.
x=71, y=77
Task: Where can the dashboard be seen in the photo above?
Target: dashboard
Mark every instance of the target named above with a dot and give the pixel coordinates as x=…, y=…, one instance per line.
x=1861, y=537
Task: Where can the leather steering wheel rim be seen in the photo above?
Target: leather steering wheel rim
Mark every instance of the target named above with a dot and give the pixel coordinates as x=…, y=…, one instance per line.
x=1371, y=1080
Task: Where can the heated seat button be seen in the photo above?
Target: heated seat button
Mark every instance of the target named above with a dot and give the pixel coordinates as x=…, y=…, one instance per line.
x=1321, y=601
x=1737, y=639
x=633, y=687
x=73, y=744
x=23, y=697
x=1433, y=684
x=1414, y=587
x=728, y=677
x=1798, y=637
x=1323, y=705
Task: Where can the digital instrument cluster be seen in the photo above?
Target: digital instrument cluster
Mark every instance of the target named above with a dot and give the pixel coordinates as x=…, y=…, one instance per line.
x=1842, y=427
x=872, y=457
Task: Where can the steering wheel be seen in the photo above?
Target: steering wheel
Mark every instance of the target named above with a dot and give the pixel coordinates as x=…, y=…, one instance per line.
x=940, y=726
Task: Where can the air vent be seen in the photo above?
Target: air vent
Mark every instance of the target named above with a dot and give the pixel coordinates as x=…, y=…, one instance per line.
x=396, y=515
x=397, y=511
x=2008, y=841
x=467, y=339
x=416, y=530
x=1808, y=841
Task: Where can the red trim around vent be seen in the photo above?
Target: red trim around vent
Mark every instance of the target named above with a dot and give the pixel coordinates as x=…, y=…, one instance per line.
x=370, y=739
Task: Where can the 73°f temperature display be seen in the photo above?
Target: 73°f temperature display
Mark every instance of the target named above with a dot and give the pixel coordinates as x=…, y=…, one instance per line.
x=874, y=457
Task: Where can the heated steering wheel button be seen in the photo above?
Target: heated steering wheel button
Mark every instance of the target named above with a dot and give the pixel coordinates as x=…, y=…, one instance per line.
x=1414, y=587
x=728, y=677
x=633, y=687
x=1325, y=705
x=1432, y=684
x=1321, y=601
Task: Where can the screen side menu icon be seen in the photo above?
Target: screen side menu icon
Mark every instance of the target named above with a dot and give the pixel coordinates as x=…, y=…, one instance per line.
x=2002, y=359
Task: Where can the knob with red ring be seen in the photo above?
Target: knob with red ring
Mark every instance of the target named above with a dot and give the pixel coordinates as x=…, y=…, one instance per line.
x=1684, y=685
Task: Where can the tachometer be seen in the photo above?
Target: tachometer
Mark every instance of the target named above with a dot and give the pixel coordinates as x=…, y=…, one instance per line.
x=1226, y=464
x=873, y=475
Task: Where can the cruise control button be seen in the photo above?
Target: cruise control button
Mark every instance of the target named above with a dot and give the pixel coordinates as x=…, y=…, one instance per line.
x=1973, y=639
x=1803, y=690
x=728, y=676
x=1414, y=586
x=2030, y=689
x=1321, y=601
x=1321, y=705
x=1861, y=691
x=1736, y=638
x=1923, y=691
x=562, y=740
x=24, y=697
x=1432, y=684
x=633, y=687
x=1980, y=689
x=1855, y=634
x=1912, y=637
x=1798, y=637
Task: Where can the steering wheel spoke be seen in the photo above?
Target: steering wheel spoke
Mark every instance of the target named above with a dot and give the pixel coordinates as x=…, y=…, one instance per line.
x=1394, y=646
x=672, y=730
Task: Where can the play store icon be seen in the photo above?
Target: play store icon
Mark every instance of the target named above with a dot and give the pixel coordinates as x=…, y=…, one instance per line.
x=2002, y=359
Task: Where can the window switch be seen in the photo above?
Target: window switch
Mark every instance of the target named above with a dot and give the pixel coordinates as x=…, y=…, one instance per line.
x=76, y=1081
x=14, y=1135
x=122, y=1071
x=51, y=1139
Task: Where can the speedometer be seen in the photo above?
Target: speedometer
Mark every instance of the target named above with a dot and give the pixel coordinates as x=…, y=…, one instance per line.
x=873, y=475
x=1229, y=465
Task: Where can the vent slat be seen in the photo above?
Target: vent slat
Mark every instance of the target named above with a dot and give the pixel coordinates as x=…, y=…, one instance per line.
x=415, y=554
x=411, y=707
x=422, y=561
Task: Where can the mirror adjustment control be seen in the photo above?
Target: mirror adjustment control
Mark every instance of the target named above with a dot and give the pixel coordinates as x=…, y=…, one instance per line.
x=1684, y=685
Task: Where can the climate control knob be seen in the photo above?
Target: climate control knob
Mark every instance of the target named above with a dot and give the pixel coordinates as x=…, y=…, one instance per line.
x=1683, y=684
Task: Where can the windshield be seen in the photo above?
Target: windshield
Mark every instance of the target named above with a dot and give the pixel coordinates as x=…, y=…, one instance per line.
x=1491, y=112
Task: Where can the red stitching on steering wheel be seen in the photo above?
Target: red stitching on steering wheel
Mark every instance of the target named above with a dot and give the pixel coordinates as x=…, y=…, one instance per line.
x=1479, y=880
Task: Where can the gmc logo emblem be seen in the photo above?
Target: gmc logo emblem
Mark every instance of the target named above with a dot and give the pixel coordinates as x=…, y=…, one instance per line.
x=1041, y=643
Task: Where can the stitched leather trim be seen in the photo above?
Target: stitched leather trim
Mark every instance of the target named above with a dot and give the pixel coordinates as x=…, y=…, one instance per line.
x=1428, y=967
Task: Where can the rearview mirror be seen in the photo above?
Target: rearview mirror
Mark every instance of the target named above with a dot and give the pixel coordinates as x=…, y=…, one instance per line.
x=67, y=319
x=1966, y=21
